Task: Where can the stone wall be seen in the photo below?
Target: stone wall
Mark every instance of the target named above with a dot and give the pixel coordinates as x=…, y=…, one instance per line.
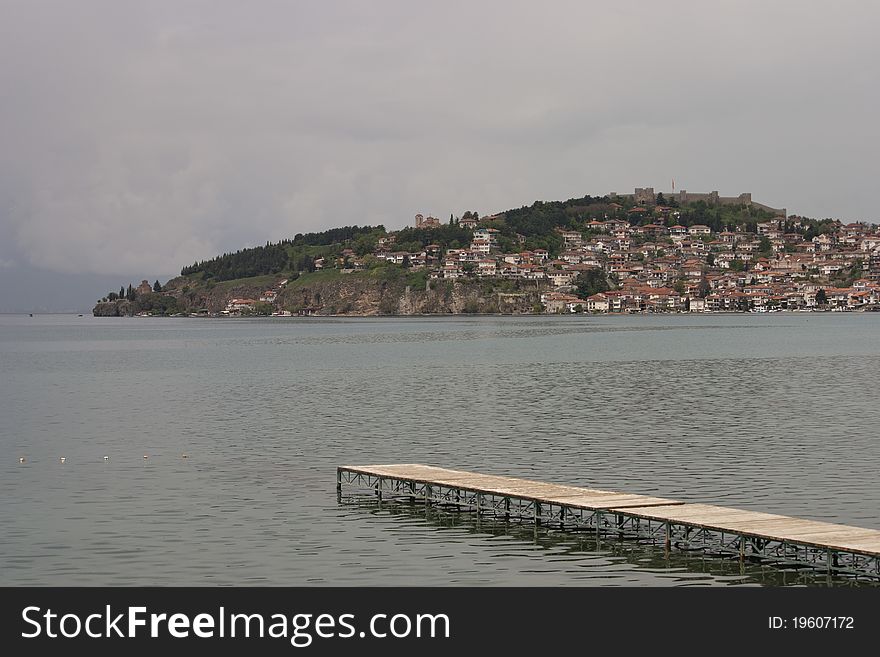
x=646, y=196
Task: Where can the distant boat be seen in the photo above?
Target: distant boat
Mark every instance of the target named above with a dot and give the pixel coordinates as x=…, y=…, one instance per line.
x=31, y=314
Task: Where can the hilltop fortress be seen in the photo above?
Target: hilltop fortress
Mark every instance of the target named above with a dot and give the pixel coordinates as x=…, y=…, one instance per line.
x=646, y=196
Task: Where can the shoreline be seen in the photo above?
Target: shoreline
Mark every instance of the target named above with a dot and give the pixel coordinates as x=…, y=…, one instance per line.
x=544, y=315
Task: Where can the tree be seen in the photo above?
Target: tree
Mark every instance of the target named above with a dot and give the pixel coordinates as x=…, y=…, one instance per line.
x=121, y=292
x=661, y=200
x=821, y=298
x=705, y=288
x=710, y=259
x=263, y=309
x=591, y=282
x=156, y=286
x=765, y=247
x=737, y=265
x=130, y=293
x=365, y=244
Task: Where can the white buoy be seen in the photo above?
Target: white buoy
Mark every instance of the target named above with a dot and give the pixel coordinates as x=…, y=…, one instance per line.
x=184, y=456
x=63, y=459
x=21, y=459
x=106, y=458
x=146, y=456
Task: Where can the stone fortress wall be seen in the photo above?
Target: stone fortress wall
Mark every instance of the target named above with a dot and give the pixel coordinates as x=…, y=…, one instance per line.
x=646, y=196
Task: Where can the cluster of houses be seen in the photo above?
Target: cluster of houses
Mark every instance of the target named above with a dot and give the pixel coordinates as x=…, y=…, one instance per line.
x=240, y=305
x=655, y=265
x=668, y=267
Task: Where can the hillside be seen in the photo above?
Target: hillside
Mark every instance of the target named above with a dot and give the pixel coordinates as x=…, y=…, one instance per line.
x=548, y=256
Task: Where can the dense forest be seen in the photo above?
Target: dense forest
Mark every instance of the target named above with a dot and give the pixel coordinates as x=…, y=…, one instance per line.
x=269, y=259
x=287, y=255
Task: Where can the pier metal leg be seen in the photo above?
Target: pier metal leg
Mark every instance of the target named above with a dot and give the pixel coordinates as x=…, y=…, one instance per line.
x=730, y=542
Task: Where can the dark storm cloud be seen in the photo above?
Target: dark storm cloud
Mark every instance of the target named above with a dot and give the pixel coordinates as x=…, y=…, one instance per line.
x=141, y=136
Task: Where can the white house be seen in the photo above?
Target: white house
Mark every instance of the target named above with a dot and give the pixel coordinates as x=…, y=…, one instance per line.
x=598, y=303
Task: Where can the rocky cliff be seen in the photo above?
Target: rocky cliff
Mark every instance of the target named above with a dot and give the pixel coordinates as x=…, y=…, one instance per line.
x=118, y=308
x=358, y=295
x=334, y=293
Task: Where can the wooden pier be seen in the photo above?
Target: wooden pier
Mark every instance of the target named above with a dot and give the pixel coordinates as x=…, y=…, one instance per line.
x=769, y=538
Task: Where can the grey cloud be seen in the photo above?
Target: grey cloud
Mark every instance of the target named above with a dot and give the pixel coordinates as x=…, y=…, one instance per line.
x=139, y=137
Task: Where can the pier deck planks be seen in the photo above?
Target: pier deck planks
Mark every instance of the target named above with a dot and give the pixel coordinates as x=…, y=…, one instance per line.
x=717, y=518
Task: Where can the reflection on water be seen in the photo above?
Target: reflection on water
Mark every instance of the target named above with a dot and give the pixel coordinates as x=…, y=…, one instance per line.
x=776, y=414
x=620, y=562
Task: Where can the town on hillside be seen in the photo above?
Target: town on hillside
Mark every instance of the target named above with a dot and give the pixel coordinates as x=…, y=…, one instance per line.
x=656, y=264
x=643, y=252
x=652, y=263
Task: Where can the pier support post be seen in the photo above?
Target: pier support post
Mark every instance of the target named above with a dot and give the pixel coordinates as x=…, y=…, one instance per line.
x=715, y=534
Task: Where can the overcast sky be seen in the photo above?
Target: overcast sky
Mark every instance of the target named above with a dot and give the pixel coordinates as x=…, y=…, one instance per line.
x=137, y=137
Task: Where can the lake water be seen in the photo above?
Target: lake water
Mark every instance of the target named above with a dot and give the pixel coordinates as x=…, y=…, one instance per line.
x=777, y=413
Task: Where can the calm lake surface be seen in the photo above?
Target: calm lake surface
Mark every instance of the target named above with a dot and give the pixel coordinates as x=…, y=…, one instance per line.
x=777, y=413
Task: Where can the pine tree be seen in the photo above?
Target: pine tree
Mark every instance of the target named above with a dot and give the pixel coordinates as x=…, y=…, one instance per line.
x=121, y=292
x=157, y=287
x=130, y=293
